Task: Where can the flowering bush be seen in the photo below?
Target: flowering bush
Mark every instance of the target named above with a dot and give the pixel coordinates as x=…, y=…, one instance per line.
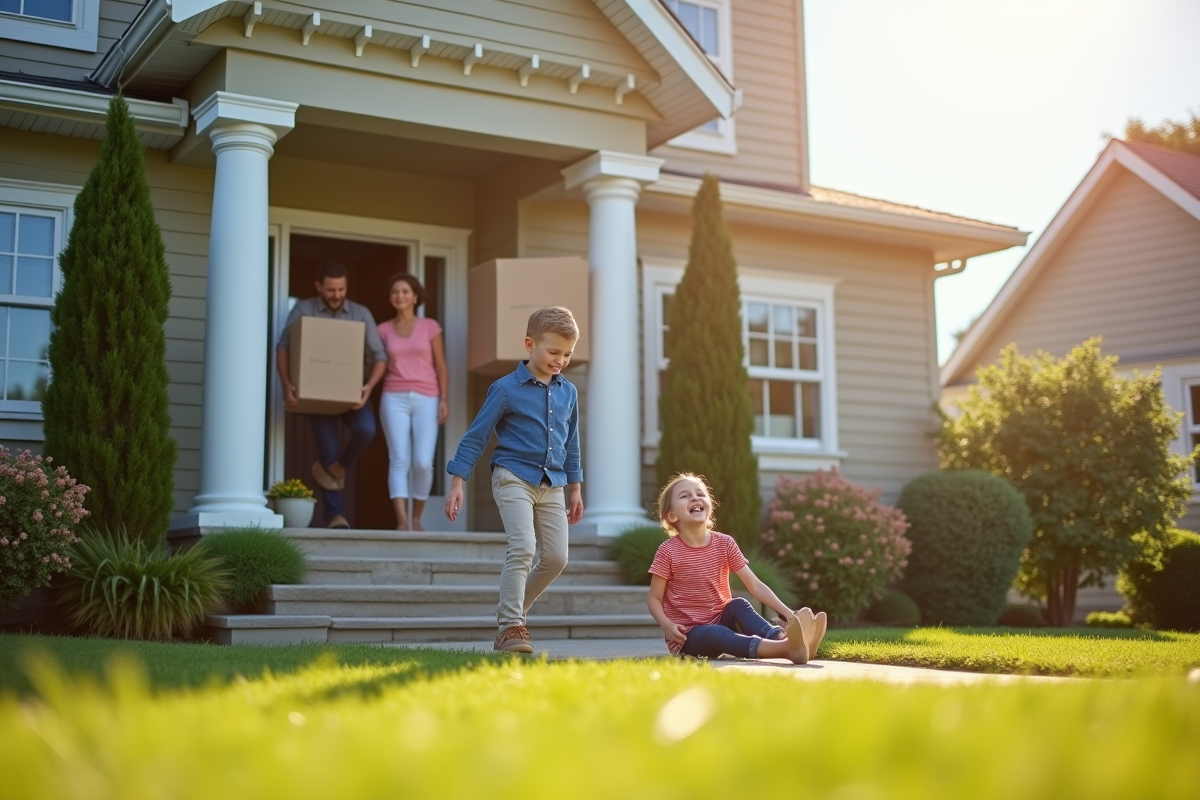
x=839, y=544
x=40, y=506
x=292, y=487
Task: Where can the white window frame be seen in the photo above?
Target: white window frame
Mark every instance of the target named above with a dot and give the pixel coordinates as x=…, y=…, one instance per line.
x=724, y=139
x=1177, y=380
x=81, y=33
x=1191, y=426
x=661, y=275
x=47, y=200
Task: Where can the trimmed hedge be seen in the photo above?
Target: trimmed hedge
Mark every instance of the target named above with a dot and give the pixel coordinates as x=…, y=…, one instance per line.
x=968, y=529
x=894, y=608
x=1022, y=615
x=1166, y=598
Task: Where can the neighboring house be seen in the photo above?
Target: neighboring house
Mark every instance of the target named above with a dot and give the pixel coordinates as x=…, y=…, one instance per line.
x=431, y=136
x=1121, y=260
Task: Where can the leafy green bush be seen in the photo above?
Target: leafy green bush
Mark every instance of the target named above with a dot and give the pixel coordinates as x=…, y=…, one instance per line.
x=894, y=608
x=770, y=572
x=1108, y=619
x=968, y=529
x=254, y=559
x=123, y=588
x=1166, y=594
x=1022, y=615
x=838, y=543
x=634, y=550
x=39, y=508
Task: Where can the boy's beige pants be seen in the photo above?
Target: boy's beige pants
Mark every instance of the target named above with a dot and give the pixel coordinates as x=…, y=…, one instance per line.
x=535, y=521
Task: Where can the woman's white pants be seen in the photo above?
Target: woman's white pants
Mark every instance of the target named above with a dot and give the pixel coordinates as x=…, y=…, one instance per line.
x=411, y=428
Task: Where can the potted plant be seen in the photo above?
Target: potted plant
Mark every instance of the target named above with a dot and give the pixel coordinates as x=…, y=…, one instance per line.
x=294, y=501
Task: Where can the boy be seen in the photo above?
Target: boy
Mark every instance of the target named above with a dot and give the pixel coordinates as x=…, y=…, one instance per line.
x=535, y=414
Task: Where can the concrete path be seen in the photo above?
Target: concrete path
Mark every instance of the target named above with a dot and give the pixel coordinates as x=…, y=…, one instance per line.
x=605, y=649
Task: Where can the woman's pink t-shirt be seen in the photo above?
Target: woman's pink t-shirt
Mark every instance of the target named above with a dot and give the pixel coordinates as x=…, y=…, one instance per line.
x=410, y=359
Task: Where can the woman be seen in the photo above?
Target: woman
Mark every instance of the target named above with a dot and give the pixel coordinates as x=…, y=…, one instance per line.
x=414, y=400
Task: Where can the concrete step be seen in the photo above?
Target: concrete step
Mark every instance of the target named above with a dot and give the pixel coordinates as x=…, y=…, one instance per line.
x=356, y=600
x=445, y=572
x=292, y=629
x=427, y=544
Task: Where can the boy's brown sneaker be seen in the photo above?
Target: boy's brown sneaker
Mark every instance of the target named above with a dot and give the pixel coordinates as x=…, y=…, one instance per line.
x=514, y=640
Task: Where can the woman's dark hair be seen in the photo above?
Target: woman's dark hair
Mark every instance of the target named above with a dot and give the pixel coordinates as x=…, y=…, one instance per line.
x=330, y=269
x=413, y=284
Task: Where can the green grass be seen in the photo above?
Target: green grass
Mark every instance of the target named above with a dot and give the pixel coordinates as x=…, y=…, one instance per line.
x=414, y=724
x=1086, y=652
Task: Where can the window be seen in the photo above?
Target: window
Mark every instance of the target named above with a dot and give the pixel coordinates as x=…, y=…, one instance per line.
x=72, y=24
x=1191, y=424
x=787, y=334
x=708, y=22
x=33, y=223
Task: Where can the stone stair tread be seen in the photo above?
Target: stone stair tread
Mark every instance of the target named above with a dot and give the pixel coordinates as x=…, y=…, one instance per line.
x=247, y=621
x=421, y=592
x=461, y=564
x=394, y=536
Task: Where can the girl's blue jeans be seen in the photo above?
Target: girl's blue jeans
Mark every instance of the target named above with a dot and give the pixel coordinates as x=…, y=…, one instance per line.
x=737, y=633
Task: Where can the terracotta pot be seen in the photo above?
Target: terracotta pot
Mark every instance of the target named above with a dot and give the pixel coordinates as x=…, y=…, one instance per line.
x=297, y=511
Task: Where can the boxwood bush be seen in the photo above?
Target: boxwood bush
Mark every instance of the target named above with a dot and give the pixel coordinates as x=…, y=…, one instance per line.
x=1022, y=615
x=894, y=608
x=1166, y=595
x=968, y=529
x=255, y=559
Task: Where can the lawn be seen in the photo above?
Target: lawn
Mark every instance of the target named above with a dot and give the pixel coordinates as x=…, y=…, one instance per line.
x=369, y=722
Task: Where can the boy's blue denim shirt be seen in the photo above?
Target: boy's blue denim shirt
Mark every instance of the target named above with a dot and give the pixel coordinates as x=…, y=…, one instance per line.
x=537, y=430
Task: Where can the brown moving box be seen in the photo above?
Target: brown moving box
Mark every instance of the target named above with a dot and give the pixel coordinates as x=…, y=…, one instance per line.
x=326, y=364
x=502, y=293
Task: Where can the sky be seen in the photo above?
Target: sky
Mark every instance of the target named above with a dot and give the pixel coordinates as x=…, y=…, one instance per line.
x=989, y=109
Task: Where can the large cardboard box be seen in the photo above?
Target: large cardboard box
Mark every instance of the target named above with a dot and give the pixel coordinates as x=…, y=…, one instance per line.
x=326, y=364
x=502, y=293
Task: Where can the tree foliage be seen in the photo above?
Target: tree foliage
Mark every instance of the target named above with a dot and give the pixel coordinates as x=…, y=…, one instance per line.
x=1183, y=136
x=1089, y=450
x=704, y=407
x=106, y=409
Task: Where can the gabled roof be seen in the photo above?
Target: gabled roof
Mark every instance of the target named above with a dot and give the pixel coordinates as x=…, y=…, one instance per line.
x=1173, y=174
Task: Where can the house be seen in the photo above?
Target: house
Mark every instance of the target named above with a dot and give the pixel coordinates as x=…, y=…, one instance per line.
x=430, y=136
x=1121, y=260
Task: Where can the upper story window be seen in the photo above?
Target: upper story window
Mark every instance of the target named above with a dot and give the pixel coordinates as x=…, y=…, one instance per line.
x=72, y=24
x=708, y=22
x=1191, y=424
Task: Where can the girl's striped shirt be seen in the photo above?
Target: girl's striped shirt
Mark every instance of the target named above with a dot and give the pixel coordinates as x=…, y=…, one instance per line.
x=697, y=580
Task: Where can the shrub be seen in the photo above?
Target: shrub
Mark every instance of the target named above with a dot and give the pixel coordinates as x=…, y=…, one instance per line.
x=840, y=545
x=770, y=572
x=1022, y=615
x=40, y=506
x=968, y=529
x=254, y=559
x=121, y=587
x=1108, y=619
x=634, y=550
x=894, y=608
x=1166, y=595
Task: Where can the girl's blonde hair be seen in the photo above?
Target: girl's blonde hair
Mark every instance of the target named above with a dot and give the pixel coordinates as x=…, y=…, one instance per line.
x=664, y=503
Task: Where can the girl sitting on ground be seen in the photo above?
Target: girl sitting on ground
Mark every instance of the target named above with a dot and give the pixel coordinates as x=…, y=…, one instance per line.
x=689, y=588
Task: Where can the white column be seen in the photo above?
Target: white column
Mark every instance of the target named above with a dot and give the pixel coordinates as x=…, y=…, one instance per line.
x=612, y=449
x=243, y=131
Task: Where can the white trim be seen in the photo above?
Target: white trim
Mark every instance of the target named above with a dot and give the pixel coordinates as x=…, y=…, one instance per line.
x=724, y=139
x=1177, y=380
x=81, y=33
x=1064, y=221
x=222, y=108
x=92, y=107
x=611, y=164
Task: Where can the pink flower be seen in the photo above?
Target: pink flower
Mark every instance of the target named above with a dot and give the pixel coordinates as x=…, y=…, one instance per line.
x=782, y=552
x=833, y=546
x=4, y=541
x=872, y=570
x=814, y=586
x=37, y=516
x=817, y=554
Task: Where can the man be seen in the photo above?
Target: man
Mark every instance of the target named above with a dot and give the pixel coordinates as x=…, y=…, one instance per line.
x=329, y=471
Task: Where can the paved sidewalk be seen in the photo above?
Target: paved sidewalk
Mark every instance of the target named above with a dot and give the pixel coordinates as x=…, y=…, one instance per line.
x=605, y=649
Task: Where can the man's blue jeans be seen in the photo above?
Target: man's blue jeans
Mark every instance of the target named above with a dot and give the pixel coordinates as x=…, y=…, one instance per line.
x=327, y=432
x=737, y=633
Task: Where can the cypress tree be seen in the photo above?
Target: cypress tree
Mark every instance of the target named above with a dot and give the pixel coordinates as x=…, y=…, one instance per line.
x=106, y=408
x=704, y=408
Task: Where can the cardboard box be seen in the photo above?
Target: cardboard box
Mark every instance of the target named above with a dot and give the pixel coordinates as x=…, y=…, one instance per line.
x=502, y=293
x=326, y=364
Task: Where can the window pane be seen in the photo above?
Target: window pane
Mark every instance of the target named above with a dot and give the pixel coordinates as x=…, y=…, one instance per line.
x=27, y=380
x=689, y=15
x=708, y=31
x=810, y=404
x=808, y=356
x=11, y=6
x=3, y=333
x=49, y=9
x=712, y=126
x=8, y=225
x=756, y=317
x=6, y=274
x=1195, y=404
x=1195, y=444
x=807, y=322
x=35, y=236
x=35, y=277
x=756, y=402
x=29, y=333
x=784, y=319
x=782, y=423
x=783, y=354
x=758, y=353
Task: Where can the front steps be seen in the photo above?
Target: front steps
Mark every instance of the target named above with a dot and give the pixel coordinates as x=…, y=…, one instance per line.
x=388, y=586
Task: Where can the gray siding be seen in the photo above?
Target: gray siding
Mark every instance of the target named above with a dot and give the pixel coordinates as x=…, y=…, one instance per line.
x=62, y=63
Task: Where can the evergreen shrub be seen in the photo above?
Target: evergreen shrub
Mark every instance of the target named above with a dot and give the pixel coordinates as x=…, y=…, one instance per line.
x=106, y=409
x=838, y=543
x=254, y=559
x=968, y=529
x=634, y=551
x=894, y=608
x=1108, y=619
x=1022, y=615
x=772, y=573
x=1166, y=594
x=40, y=507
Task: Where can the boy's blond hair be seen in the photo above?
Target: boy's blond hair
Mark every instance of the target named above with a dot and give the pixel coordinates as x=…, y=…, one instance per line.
x=552, y=319
x=664, y=502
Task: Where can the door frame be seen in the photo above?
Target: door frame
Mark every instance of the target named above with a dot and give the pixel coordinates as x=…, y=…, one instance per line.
x=421, y=240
